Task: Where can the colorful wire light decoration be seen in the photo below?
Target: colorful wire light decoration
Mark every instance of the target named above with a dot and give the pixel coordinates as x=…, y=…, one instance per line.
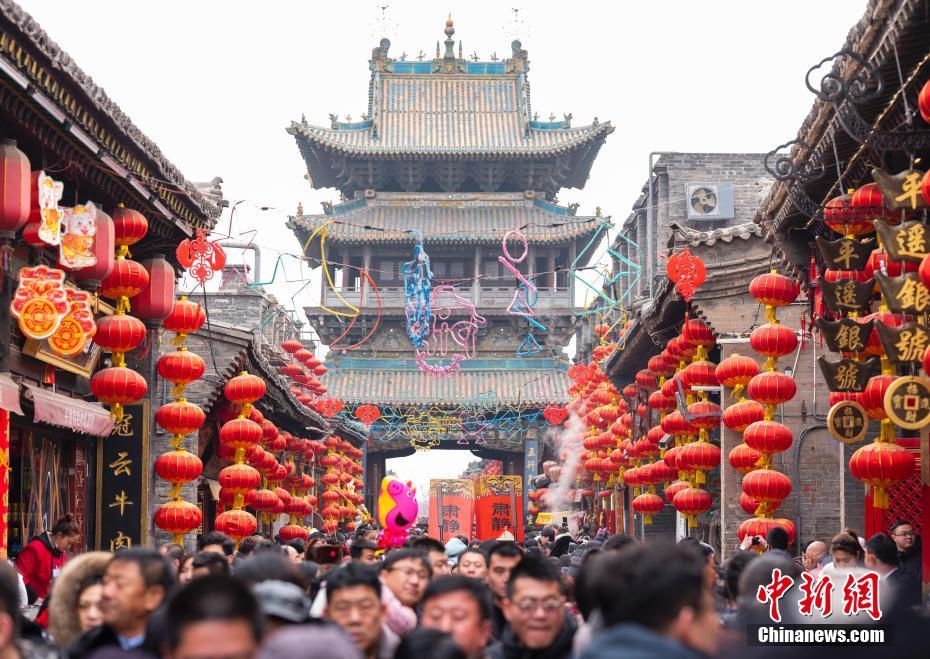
x=453, y=333
x=526, y=294
x=417, y=284
x=354, y=312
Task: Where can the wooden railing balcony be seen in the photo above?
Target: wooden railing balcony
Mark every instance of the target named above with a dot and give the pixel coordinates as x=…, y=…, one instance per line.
x=392, y=297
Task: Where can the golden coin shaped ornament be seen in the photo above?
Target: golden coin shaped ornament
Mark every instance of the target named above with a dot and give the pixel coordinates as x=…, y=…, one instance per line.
x=848, y=422
x=907, y=402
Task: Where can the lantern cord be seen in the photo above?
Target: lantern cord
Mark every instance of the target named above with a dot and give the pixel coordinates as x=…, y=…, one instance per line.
x=206, y=313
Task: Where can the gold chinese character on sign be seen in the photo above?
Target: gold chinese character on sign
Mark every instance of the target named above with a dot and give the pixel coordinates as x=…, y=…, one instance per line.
x=911, y=345
x=907, y=402
x=910, y=189
x=845, y=255
x=848, y=422
x=120, y=541
x=913, y=295
x=847, y=376
x=123, y=427
x=121, y=500
x=846, y=294
x=848, y=338
x=121, y=465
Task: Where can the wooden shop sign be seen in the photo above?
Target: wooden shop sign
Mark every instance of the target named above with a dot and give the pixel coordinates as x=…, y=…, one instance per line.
x=848, y=375
x=908, y=241
x=845, y=253
x=846, y=294
x=846, y=334
x=907, y=343
x=122, y=482
x=904, y=294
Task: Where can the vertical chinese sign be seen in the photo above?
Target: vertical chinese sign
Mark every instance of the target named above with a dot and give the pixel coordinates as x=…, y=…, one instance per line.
x=4, y=479
x=451, y=508
x=122, y=482
x=499, y=507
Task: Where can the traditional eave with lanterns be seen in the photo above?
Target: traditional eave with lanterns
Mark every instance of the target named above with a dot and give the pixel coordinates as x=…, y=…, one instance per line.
x=92, y=215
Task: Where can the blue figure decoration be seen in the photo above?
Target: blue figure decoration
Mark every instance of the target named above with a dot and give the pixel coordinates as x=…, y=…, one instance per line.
x=417, y=285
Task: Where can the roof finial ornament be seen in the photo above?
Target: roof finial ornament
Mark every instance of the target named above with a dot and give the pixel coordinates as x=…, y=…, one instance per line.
x=450, y=42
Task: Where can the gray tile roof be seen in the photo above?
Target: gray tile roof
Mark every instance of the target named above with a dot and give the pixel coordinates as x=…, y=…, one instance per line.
x=463, y=218
x=536, y=387
x=443, y=114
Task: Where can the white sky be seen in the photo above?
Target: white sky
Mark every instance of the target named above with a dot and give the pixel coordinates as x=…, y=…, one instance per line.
x=215, y=83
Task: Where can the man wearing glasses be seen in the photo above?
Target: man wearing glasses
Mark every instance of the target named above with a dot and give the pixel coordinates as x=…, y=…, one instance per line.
x=539, y=625
x=909, y=549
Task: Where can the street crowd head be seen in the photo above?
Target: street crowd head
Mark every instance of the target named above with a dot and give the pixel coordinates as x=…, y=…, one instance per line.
x=503, y=599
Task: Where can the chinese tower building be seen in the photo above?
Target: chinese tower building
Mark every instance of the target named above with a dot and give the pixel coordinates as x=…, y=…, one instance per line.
x=448, y=161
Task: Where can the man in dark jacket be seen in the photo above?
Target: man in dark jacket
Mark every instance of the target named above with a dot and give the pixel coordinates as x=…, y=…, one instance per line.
x=654, y=602
x=903, y=587
x=909, y=548
x=538, y=625
x=562, y=541
x=135, y=585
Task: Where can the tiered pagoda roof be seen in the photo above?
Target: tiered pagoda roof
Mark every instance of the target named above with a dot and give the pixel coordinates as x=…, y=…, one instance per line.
x=447, y=218
x=452, y=125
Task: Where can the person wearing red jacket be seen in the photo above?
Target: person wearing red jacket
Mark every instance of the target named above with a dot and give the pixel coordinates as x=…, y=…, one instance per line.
x=42, y=559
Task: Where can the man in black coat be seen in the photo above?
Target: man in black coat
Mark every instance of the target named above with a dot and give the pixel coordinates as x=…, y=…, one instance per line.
x=135, y=585
x=538, y=625
x=562, y=541
x=910, y=559
x=881, y=556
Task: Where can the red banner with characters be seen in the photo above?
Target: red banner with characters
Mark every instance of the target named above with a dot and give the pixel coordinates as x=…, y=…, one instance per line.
x=4, y=479
x=451, y=508
x=499, y=507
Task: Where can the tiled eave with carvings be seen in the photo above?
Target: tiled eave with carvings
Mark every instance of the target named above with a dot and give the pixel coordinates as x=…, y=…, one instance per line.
x=890, y=34
x=50, y=96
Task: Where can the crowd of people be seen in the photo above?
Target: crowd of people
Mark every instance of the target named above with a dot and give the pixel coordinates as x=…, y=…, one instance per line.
x=556, y=595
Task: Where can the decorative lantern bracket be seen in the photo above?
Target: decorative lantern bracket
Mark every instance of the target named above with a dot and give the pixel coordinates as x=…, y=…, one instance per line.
x=862, y=85
x=799, y=166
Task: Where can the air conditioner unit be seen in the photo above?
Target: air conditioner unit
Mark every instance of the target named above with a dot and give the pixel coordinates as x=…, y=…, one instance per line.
x=710, y=201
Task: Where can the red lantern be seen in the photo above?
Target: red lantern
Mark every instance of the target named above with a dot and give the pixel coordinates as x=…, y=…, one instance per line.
x=15, y=180
x=156, y=300
x=264, y=501
x=704, y=414
x=691, y=502
x=773, y=340
x=180, y=417
x=119, y=333
x=768, y=437
x=772, y=388
x=118, y=386
x=743, y=458
x=244, y=388
x=701, y=373
x=766, y=485
x=748, y=504
x=736, y=370
x=881, y=465
x=645, y=379
x=367, y=414
x=697, y=333
x=739, y=415
x=240, y=433
x=923, y=102
x=674, y=488
x=762, y=525
x=185, y=318
x=291, y=346
x=239, y=478
x=320, y=370
x=647, y=505
x=774, y=289
x=699, y=457
x=293, y=532
x=839, y=215
x=868, y=203
x=660, y=402
x=873, y=397
x=661, y=472
x=237, y=524
x=178, y=518
x=104, y=246
x=130, y=225
x=292, y=370
x=302, y=355
x=178, y=466
x=127, y=279
x=181, y=366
